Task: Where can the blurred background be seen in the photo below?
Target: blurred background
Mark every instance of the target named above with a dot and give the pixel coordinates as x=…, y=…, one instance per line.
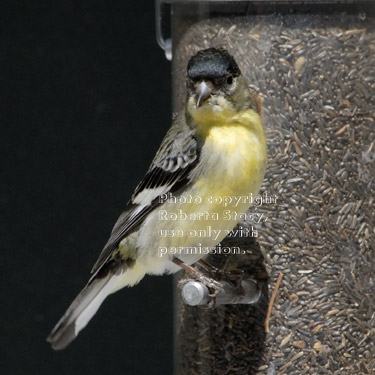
x=85, y=102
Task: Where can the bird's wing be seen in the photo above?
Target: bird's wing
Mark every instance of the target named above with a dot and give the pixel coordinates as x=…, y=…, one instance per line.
x=169, y=171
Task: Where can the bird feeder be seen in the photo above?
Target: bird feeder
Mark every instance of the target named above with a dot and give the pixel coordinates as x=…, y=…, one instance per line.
x=310, y=261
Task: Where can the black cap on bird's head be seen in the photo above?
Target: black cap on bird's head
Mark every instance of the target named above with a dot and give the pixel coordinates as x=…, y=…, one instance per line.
x=211, y=72
x=212, y=63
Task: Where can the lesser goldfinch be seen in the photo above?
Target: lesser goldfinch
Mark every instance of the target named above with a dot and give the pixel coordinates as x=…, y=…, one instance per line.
x=215, y=148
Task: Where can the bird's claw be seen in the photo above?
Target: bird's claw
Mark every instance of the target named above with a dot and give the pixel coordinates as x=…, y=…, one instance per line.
x=210, y=283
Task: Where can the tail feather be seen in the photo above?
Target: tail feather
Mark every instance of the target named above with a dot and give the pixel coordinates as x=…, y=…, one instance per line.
x=88, y=301
x=82, y=309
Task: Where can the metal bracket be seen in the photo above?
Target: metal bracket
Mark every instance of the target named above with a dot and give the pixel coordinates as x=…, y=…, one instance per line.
x=196, y=293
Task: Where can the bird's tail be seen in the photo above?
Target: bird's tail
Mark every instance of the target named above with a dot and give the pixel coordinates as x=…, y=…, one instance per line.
x=82, y=309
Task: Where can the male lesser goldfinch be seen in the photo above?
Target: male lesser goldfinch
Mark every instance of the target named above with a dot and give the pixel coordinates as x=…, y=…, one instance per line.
x=216, y=147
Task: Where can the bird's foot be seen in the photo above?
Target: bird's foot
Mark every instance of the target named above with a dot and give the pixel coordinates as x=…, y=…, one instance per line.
x=210, y=282
x=234, y=276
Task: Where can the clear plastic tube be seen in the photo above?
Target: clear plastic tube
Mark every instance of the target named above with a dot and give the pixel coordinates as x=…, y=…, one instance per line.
x=313, y=65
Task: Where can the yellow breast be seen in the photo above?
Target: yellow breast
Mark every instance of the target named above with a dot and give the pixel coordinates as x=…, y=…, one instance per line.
x=234, y=155
x=232, y=163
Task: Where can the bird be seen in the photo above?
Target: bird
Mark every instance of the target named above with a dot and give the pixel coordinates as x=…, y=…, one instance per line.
x=215, y=147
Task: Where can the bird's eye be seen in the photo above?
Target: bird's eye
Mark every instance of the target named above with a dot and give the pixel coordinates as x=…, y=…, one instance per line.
x=229, y=80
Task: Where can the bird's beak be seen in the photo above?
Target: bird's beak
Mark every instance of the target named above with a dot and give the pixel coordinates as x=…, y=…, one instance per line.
x=202, y=93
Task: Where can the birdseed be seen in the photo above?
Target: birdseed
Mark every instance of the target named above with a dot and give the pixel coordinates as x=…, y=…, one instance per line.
x=316, y=75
